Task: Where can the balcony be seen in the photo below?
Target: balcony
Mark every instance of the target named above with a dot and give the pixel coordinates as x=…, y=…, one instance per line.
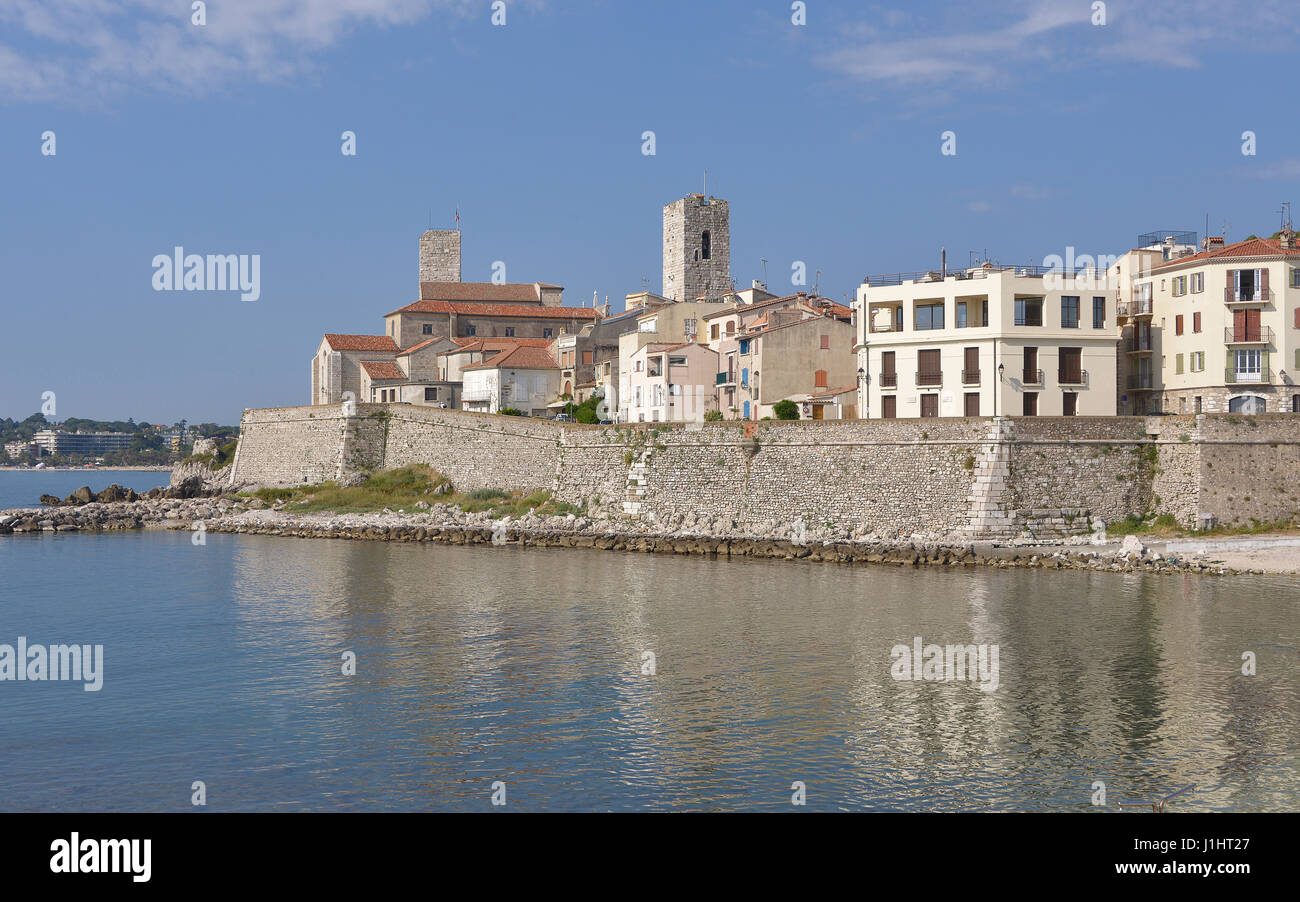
x=1072, y=377
x=1139, y=382
x=1258, y=296
x=476, y=394
x=935, y=378
x=889, y=380
x=1135, y=307
x=970, y=377
x=1247, y=335
x=725, y=379
x=1138, y=345
x=886, y=327
x=1248, y=377
x=1032, y=377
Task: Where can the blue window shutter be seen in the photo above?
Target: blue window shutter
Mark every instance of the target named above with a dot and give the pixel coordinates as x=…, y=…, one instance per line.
x=747, y=410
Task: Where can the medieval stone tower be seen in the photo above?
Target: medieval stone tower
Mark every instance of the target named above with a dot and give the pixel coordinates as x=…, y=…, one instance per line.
x=440, y=256
x=697, y=248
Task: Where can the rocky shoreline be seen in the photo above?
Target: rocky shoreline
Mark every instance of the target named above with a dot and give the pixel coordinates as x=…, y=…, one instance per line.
x=182, y=509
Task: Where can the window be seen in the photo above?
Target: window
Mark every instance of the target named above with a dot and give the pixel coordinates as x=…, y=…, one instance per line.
x=1070, y=404
x=469, y=331
x=713, y=331
x=929, y=316
x=1198, y=282
x=706, y=245
x=1196, y=322
x=1178, y=324
x=1295, y=278
x=929, y=371
x=636, y=367
x=648, y=325
x=1180, y=286
x=1030, y=408
x=744, y=346
x=1069, y=311
x=1031, y=375
x=1029, y=311
x=548, y=333
x=1196, y=361
x=819, y=379
x=637, y=402
x=1070, y=366
x=731, y=327
x=889, y=407
x=970, y=371
x=510, y=331
x=430, y=394
x=972, y=314
x=426, y=329
x=744, y=375
x=690, y=327
x=1099, y=313
x=1196, y=404
x=1247, y=365
x=888, y=375
x=1178, y=364
x=677, y=361
x=961, y=314
x=826, y=342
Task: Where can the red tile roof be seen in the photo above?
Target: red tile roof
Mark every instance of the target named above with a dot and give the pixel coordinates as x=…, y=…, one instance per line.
x=471, y=343
x=424, y=344
x=481, y=308
x=521, y=357
x=360, y=342
x=1252, y=247
x=382, y=369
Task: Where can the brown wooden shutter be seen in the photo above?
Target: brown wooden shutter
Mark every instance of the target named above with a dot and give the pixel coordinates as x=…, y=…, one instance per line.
x=1263, y=282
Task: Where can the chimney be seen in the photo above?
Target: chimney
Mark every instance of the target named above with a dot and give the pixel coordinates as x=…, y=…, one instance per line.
x=1287, y=239
x=1214, y=243
x=943, y=264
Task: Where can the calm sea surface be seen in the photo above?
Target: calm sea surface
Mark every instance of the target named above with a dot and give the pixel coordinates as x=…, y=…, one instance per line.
x=222, y=663
x=23, y=488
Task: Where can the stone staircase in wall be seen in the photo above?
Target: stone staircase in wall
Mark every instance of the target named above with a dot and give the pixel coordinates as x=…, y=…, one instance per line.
x=987, y=503
x=634, y=496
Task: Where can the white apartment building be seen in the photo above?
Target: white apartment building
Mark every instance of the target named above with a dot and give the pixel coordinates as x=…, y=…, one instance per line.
x=991, y=340
x=672, y=383
x=523, y=378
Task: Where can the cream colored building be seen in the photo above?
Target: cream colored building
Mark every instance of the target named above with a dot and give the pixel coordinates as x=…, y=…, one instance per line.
x=987, y=341
x=523, y=378
x=1219, y=331
x=666, y=323
x=671, y=383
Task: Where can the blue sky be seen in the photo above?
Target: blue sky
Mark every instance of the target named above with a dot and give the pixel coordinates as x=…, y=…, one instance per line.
x=825, y=139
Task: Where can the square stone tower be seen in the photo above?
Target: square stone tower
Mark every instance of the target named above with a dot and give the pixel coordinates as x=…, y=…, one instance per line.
x=440, y=256
x=697, y=248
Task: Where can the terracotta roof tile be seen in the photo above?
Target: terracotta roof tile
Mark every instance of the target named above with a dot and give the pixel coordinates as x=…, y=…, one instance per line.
x=339, y=342
x=1252, y=247
x=510, y=293
x=382, y=369
x=424, y=344
x=520, y=357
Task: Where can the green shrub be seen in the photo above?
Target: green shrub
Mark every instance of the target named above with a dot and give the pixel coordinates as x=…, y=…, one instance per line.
x=786, y=410
x=510, y=412
x=713, y=416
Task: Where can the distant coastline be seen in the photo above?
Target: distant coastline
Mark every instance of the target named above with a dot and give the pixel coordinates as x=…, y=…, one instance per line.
x=153, y=468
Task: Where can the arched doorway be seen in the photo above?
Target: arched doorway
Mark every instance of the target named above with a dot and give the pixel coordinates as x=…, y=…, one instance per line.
x=1247, y=404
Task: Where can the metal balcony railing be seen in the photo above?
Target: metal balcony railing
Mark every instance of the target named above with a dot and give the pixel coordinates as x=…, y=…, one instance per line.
x=1247, y=335
x=929, y=378
x=1032, y=377
x=886, y=327
x=1233, y=376
x=1072, y=377
x=970, y=377
x=1139, y=381
x=1258, y=296
x=889, y=380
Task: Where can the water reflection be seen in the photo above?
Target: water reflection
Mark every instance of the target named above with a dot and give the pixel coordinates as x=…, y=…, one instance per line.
x=525, y=666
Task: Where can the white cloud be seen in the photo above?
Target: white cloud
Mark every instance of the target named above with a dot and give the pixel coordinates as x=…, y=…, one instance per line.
x=1017, y=38
x=1288, y=169
x=77, y=50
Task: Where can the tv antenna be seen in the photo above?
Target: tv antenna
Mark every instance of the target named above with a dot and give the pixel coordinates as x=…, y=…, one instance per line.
x=763, y=260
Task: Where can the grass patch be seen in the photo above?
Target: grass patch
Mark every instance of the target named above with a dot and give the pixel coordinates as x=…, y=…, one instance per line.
x=404, y=488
